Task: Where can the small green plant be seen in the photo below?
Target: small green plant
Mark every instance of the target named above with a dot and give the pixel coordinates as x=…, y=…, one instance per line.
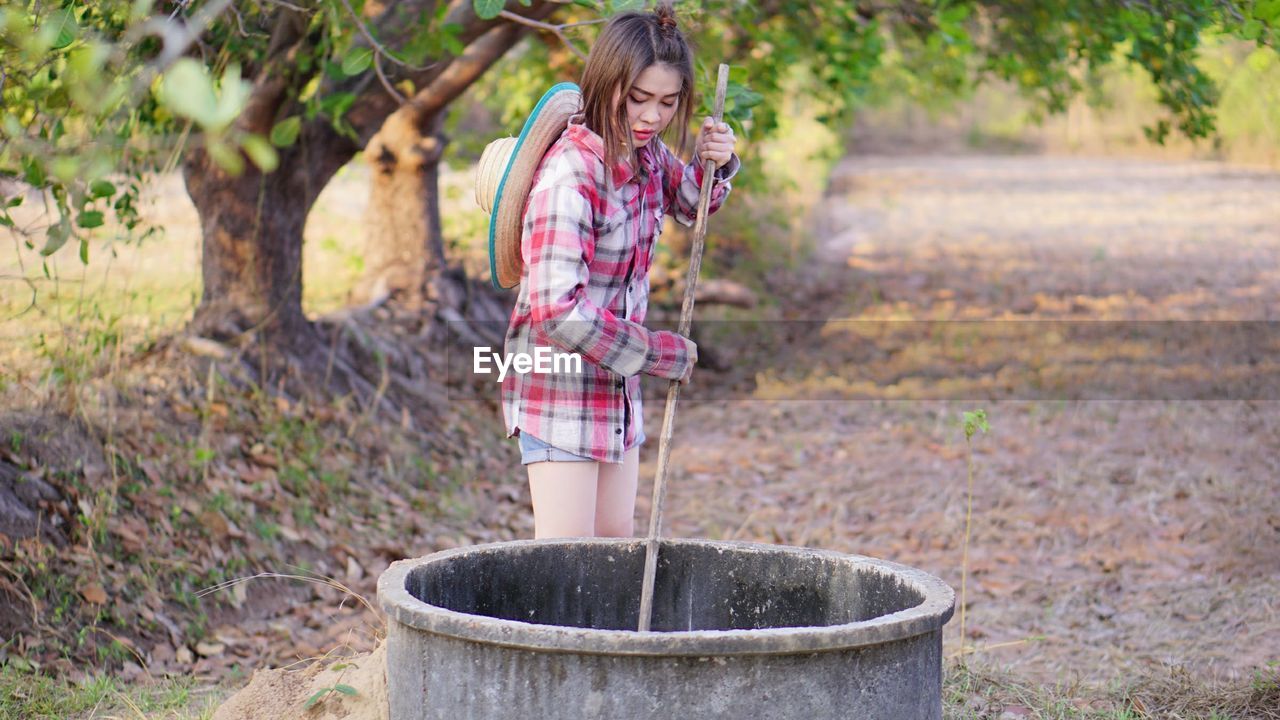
x=322, y=693
x=1267, y=680
x=974, y=421
x=266, y=529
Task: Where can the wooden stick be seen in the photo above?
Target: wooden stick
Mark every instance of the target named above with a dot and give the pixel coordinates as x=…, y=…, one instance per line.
x=673, y=392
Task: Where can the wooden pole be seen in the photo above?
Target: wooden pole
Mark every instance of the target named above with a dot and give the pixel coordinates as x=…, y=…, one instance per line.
x=673, y=392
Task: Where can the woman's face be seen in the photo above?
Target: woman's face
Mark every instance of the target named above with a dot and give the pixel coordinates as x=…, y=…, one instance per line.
x=651, y=102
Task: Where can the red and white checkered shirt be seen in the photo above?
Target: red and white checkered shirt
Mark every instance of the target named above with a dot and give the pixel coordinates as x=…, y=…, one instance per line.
x=587, y=249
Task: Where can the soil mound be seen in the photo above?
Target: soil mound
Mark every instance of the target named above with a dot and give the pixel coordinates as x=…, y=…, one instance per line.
x=351, y=689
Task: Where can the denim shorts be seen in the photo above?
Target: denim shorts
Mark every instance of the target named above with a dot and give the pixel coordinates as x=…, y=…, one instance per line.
x=534, y=450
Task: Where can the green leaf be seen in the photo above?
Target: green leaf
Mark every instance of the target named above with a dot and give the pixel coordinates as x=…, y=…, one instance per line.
x=285, y=132
x=315, y=698
x=233, y=95
x=33, y=172
x=1261, y=59
x=974, y=421
x=954, y=14
x=56, y=236
x=227, y=157
x=449, y=39
x=749, y=98
x=188, y=91
x=346, y=689
x=66, y=168
x=90, y=219
x=357, y=61
x=63, y=28
x=260, y=152
x=336, y=105
x=101, y=189
x=84, y=252
x=488, y=9
x=1251, y=30
x=1267, y=11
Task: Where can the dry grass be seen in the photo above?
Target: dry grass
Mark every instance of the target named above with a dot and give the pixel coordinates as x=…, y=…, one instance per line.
x=978, y=692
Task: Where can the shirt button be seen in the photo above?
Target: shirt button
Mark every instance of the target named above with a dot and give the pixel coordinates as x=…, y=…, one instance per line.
x=618, y=431
x=620, y=383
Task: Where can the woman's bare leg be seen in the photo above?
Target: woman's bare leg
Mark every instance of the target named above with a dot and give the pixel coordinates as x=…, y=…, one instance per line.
x=564, y=498
x=616, y=496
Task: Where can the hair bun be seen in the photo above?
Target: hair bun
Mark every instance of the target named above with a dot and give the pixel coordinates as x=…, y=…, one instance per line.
x=666, y=16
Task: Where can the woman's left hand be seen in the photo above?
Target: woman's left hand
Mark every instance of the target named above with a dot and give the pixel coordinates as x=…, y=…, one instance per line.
x=715, y=143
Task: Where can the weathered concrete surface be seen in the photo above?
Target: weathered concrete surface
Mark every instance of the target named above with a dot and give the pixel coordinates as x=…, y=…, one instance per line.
x=543, y=629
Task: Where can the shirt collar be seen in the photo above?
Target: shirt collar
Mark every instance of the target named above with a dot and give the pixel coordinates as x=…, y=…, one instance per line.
x=581, y=135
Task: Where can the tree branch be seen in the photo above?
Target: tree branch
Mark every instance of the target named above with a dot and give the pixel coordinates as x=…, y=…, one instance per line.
x=278, y=71
x=377, y=68
x=370, y=111
x=471, y=64
x=557, y=30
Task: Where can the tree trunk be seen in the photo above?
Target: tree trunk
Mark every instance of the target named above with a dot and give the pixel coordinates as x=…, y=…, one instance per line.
x=252, y=230
x=404, y=244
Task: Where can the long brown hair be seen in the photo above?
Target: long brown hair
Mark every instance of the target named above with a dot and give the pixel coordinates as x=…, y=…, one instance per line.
x=627, y=46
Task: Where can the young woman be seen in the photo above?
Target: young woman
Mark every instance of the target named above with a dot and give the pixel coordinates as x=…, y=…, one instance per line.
x=590, y=224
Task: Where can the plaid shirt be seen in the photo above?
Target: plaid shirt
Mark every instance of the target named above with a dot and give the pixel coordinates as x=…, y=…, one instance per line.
x=587, y=249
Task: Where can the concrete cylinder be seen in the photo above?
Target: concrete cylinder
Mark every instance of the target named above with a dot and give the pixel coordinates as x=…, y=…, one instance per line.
x=546, y=629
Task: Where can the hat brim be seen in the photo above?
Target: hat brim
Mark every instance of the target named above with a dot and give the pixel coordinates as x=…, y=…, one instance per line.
x=546, y=123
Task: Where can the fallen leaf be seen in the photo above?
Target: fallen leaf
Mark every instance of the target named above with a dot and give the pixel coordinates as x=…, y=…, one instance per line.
x=210, y=649
x=94, y=593
x=354, y=571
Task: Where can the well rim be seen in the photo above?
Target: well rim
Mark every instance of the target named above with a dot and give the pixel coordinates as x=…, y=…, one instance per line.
x=928, y=616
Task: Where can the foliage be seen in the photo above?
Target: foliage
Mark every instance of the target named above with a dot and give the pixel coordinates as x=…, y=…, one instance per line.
x=938, y=51
x=96, y=95
x=87, y=111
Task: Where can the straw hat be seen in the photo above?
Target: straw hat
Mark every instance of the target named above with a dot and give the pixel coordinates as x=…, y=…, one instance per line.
x=505, y=176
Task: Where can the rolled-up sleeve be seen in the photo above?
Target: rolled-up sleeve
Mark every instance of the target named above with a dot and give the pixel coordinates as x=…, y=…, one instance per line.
x=683, y=185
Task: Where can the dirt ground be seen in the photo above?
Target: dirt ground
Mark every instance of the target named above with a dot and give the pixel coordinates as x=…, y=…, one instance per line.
x=1125, y=532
